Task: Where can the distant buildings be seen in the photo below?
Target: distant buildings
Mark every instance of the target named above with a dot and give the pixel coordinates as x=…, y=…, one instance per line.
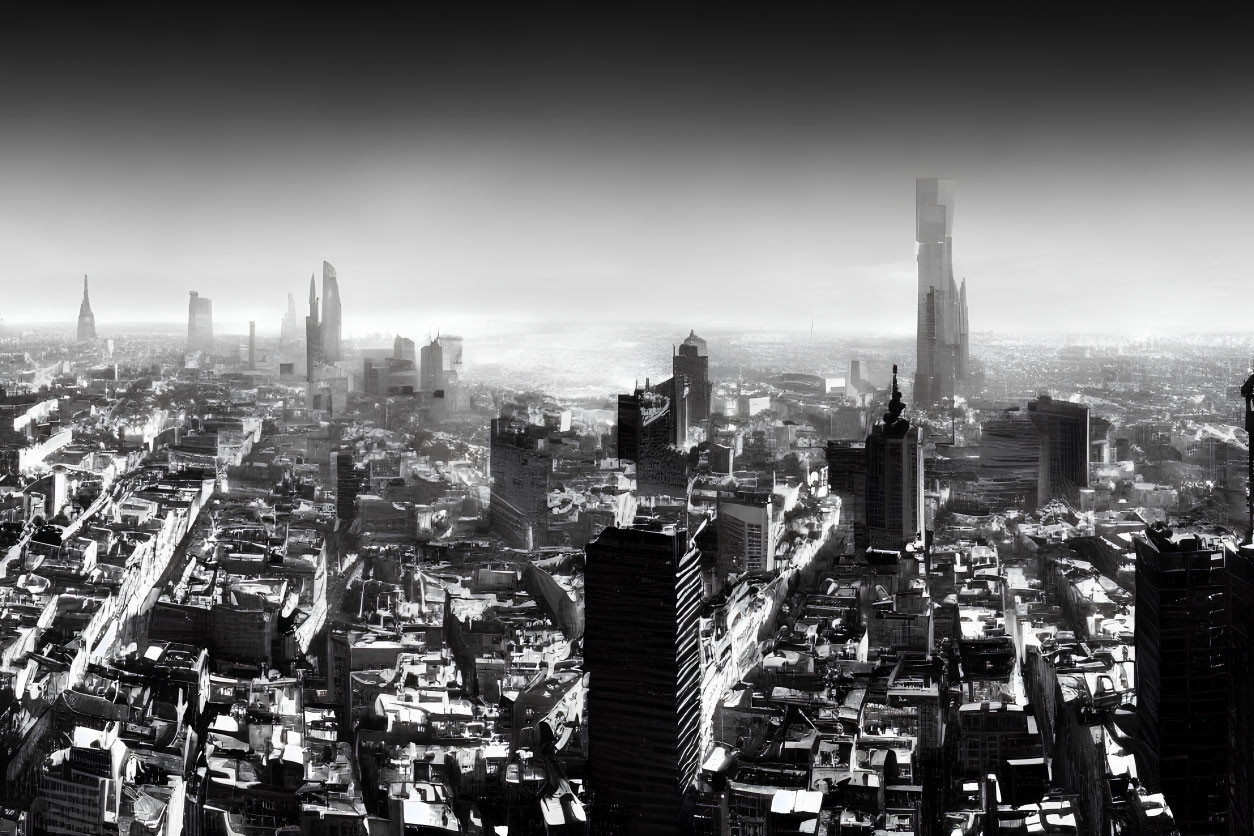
x=86, y=319
x=942, y=325
x=642, y=654
x=199, y=323
x=331, y=313
x=1182, y=677
x=431, y=375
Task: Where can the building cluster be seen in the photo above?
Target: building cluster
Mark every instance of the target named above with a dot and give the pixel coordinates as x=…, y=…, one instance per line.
x=336, y=589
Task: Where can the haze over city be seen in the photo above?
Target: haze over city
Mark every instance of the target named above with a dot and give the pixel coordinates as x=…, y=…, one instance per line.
x=699, y=422
x=534, y=166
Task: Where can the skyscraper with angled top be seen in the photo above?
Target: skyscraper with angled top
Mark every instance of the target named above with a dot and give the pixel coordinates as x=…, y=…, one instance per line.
x=943, y=354
x=331, y=350
x=86, y=319
x=199, y=323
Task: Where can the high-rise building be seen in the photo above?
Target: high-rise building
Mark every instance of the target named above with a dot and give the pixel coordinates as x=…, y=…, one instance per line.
x=521, y=466
x=331, y=313
x=1065, y=463
x=642, y=653
x=403, y=349
x=451, y=347
x=894, y=478
x=86, y=319
x=431, y=366
x=846, y=476
x=1241, y=662
x=1182, y=677
x=653, y=433
x=252, y=346
x=942, y=355
x=313, y=334
x=199, y=323
x=747, y=533
x=692, y=361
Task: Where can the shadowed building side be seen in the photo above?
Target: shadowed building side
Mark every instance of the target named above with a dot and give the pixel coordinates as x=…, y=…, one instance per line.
x=643, y=597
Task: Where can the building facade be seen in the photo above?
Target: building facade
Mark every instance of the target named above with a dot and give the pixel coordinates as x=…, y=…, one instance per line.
x=692, y=362
x=894, y=479
x=1182, y=685
x=641, y=649
x=1065, y=460
x=332, y=351
x=941, y=337
x=199, y=323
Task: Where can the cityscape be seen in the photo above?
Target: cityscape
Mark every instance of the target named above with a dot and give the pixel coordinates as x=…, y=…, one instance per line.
x=588, y=546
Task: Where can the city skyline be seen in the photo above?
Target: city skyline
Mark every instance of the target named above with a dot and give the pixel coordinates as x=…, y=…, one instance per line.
x=766, y=153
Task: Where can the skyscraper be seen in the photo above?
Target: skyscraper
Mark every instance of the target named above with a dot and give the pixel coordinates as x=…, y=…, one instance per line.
x=942, y=355
x=252, y=346
x=1182, y=684
x=1241, y=663
x=313, y=334
x=692, y=361
x=431, y=366
x=331, y=350
x=199, y=323
x=86, y=319
x=403, y=349
x=1065, y=458
x=894, y=478
x=653, y=433
x=641, y=650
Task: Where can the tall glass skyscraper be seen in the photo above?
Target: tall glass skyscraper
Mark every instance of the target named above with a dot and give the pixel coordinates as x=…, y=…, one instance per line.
x=331, y=351
x=942, y=329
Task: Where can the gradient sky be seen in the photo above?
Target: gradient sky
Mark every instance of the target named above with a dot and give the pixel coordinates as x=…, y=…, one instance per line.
x=722, y=168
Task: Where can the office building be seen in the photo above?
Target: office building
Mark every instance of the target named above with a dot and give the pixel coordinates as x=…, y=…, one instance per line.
x=521, y=466
x=331, y=314
x=199, y=323
x=313, y=334
x=403, y=349
x=653, y=433
x=431, y=366
x=692, y=362
x=1182, y=685
x=846, y=477
x=86, y=319
x=252, y=346
x=894, y=478
x=1065, y=464
x=1241, y=662
x=942, y=350
x=451, y=349
x=747, y=534
x=642, y=654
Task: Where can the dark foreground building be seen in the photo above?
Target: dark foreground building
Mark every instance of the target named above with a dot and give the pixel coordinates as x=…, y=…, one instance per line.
x=641, y=651
x=1182, y=638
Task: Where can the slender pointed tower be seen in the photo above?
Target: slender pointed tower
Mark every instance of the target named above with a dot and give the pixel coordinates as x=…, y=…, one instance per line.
x=86, y=319
x=313, y=333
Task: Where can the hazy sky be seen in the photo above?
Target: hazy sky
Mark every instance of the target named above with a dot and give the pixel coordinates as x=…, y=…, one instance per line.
x=720, y=168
